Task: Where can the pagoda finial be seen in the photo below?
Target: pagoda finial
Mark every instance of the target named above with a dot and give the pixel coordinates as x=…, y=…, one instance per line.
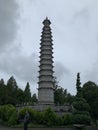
x=46, y=22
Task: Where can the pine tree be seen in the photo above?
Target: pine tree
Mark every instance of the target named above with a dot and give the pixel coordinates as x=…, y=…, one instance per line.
x=2, y=92
x=27, y=93
x=20, y=97
x=78, y=85
x=34, y=98
x=2, y=82
x=12, y=83
x=11, y=91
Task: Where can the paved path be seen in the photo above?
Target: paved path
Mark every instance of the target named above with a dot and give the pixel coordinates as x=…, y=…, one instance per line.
x=8, y=128
x=92, y=128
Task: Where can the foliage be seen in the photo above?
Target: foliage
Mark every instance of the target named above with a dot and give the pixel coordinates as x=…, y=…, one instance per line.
x=81, y=113
x=23, y=111
x=78, y=85
x=81, y=105
x=81, y=119
x=2, y=92
x=39, y=118
x=8, y=114
x=20, y=97
x=34, y=98
x=59, y=96
x=59, y=120
x=85, y=103
x=49, y=117
x=2, y=82
x=59, y=93
x=70, y=98
x=13, y=119
x=90, y=93
x=27, y=93
x=10, y=93
x=67, y=119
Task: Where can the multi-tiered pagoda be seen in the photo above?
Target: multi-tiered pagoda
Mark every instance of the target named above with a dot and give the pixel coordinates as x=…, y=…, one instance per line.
x=45, y=84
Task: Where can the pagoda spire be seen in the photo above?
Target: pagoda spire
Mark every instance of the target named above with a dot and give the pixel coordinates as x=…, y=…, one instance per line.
x=45, y=84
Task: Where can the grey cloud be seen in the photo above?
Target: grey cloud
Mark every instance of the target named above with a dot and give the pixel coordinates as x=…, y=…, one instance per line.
x=26, y=67
x=8, y=22
x=92, y=73
x=82, y=13
x=22, y=66
x=81, y=18
x=61, y=70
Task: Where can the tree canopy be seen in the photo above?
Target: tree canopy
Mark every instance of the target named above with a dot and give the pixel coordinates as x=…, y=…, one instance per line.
x=10, y=93
x=90, y=93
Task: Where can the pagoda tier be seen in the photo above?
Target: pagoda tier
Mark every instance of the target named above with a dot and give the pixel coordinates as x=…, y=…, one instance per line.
x=45, y=84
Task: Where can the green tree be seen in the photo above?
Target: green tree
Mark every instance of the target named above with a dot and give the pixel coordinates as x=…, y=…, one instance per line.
x=34, y=98
x=60, y=96
x=90, y=93
x=20, y=97
x=27, y=93
x=49, y=117
x=11, y=83
x=5, y=111
x=78, y=85
x=11, y=91
x=2, y=92
x=67, y=119
x=2, y=82
x=81, y=105
x=70, y=98
x=81, y=113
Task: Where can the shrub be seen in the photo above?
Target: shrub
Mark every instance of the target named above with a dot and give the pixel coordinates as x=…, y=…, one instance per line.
x=82, y=106
x=81, y=119
x=23, y=111
x=39, y=117
x=67, y=119
x=58, y=120
x=49, y=117
x=6, y=111
x=81, y=112
x=13, y=119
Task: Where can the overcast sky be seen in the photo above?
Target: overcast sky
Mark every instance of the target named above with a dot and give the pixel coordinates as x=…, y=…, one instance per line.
x=75, y=38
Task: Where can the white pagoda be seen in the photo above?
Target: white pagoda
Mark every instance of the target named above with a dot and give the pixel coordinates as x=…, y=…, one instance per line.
x=46, y=84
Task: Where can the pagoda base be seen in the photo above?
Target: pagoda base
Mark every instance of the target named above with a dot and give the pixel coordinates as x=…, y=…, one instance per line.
x=60, y=110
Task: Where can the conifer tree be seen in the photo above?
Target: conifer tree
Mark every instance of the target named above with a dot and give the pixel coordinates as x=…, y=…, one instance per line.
x=34, y=98
x=11, y=91
x=12, y=83
x=2, y=92
x=78, y=85
x=2, y=82
x=27, y=93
